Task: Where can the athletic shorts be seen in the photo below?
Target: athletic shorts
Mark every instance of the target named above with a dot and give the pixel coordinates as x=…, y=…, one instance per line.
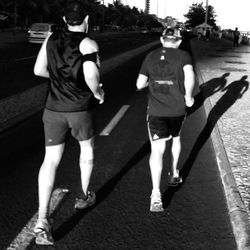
x=164, y=127
x=58, y=124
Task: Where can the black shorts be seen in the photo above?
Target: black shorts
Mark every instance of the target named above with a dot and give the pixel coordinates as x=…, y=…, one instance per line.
x=57, y=125
x=165, y=127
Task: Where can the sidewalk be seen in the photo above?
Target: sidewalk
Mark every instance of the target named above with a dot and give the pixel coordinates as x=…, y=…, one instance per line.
x=223, y=73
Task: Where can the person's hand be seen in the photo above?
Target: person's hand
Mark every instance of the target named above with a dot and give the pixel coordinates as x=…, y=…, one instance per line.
x=100, y=95
x=189, y=101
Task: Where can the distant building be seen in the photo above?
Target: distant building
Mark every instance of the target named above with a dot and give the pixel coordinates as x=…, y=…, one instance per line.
x=147, y=6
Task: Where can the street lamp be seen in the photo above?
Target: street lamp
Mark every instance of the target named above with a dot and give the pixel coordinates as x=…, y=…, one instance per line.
x=157, y=9
x=206, y=12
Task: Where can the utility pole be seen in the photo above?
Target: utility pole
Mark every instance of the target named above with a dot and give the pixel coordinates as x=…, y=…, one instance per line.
x=157, y=9
x=206, y=12
x=165, y=9
x=147, y=6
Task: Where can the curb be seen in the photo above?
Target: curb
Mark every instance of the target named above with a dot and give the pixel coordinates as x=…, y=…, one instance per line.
x=19, y=107
x=236, y=208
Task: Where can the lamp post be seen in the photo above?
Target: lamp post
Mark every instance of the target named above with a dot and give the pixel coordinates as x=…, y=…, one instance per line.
x=157, y=9
x=206, y=12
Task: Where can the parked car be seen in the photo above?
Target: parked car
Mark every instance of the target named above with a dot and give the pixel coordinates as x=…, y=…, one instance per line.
x=144, y=31
x=39, y=31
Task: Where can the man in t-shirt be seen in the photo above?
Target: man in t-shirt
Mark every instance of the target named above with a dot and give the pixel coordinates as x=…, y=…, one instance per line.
x=168, y=74
x=69, y=58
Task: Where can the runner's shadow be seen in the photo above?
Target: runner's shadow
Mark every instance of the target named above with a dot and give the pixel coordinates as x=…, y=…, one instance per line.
x=102, y=193
x=207, y=89
x=234, y=91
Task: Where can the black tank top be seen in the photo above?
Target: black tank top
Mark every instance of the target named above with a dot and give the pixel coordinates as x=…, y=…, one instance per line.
x=68, y=91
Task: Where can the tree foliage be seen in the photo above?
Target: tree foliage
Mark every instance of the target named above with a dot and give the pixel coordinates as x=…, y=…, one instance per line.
x=30, y=11
x=197, y=13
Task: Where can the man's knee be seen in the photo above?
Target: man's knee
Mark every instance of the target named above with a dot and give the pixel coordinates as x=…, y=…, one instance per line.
x=158, y=146
x=176, y=139
x=87, y=143
x=53, y=155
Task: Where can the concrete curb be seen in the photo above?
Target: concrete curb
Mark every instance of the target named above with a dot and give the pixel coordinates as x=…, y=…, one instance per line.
x=237, y=211
x=19, y=107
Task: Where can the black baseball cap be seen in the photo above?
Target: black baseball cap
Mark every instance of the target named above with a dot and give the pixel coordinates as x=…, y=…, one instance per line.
x=171, y=33
x=75, y=13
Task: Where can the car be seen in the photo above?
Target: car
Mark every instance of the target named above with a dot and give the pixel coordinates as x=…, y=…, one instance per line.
x=144, y=31
x=39, y=31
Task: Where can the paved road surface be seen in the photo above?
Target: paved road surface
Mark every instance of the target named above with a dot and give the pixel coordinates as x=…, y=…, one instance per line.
x=195, y=217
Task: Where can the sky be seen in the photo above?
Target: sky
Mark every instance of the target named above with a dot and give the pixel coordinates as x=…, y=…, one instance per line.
x=230, y=13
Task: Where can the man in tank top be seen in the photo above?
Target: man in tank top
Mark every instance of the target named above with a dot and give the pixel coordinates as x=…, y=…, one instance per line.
x=69, y=58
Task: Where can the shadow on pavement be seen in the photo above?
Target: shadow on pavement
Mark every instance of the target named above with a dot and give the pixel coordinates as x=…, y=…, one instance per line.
x=102, y=193
x=207, y=89
x=234, y=91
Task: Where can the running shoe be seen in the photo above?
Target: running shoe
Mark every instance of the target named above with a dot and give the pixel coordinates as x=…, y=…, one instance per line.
x=82, y=204
x=156, y=202
x=174, y=181
x=42, y=232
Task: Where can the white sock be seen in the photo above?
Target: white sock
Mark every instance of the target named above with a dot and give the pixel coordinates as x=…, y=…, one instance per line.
x=43, y=213
x=156, y=191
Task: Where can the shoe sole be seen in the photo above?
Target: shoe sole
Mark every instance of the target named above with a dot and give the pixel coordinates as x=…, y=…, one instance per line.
x=156, y=210
x=40, y=240
x=89, y=205
x=175, y=183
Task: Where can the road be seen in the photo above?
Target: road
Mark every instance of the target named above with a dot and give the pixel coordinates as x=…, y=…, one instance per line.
x=196, y=215
x=17, y=60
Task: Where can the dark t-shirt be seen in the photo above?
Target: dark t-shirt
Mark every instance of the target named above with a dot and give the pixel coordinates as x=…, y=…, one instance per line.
x=68, y=91
x=164, y=68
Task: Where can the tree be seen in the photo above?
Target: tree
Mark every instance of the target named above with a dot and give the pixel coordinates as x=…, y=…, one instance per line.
x=30, y=11
x=196, y=15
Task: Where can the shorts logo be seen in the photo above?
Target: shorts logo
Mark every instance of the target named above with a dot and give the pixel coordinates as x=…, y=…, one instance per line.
x=155, y=137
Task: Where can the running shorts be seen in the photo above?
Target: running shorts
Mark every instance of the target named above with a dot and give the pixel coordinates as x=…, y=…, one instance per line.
x=165, y=127
x=58, y=124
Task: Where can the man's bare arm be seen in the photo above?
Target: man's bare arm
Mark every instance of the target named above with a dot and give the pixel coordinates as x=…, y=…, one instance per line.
x=90, y=69
x=40, y=68
x=92, y=78
x=189, y=82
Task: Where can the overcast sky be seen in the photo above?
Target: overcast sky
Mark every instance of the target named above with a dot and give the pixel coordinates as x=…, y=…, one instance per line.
x=230, y=13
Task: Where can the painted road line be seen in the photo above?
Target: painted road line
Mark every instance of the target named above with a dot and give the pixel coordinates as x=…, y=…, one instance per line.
x=24, y=58
x=24, y=238
x=107, y=130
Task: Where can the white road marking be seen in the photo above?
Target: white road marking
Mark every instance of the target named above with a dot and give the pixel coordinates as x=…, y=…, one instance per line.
x=107, y=130
x=23, y=239
x=24, y=58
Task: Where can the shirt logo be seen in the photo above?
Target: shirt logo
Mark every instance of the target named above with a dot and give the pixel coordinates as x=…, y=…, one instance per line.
x=165, y=82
